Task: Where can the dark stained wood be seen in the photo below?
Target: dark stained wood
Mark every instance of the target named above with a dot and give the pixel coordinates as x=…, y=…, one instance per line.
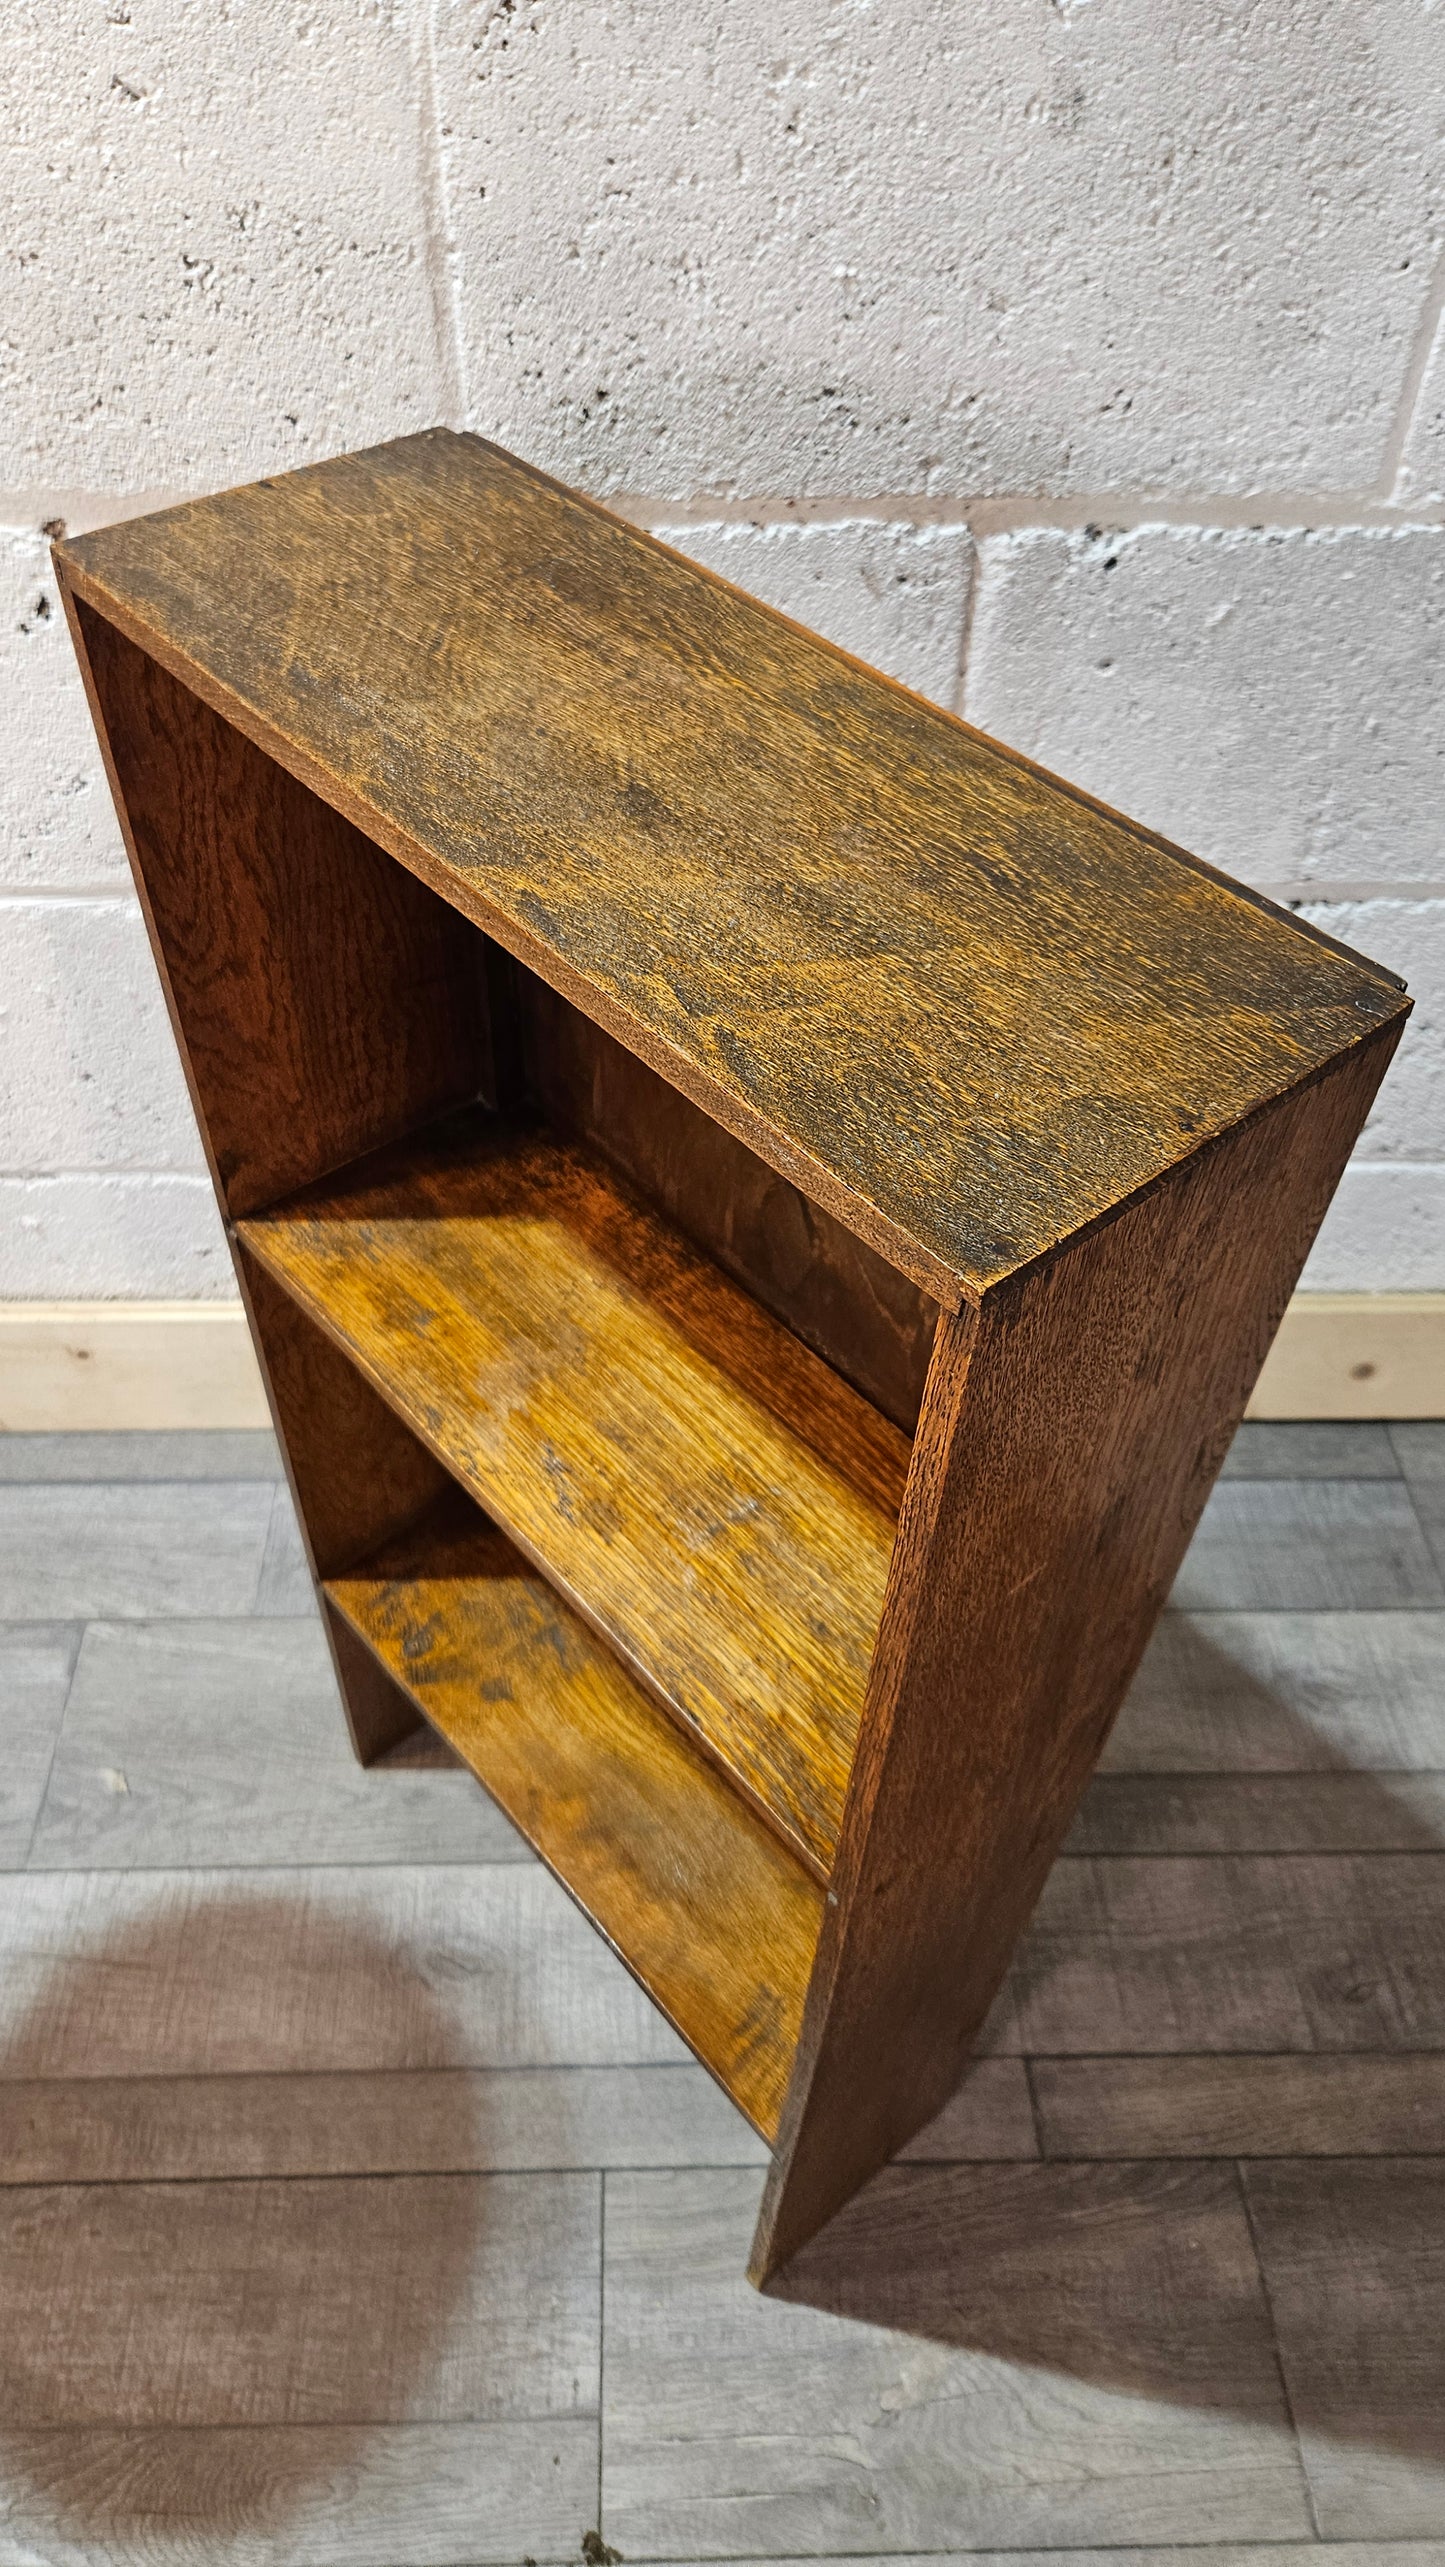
x=323, y=999
x=810, y=1044
x=1070, y=1435
x=708, y=1910
x=356, y=1474
x=960, y=1006
x=714, y=1498
x=844, y=1300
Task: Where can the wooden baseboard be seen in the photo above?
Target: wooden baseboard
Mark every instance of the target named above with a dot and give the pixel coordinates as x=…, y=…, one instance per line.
x=1356, y=1354
x=74, y=1365
x=98, y=1365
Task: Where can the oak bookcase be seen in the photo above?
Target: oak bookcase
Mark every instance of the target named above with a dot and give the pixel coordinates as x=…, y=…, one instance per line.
x=760, y=1211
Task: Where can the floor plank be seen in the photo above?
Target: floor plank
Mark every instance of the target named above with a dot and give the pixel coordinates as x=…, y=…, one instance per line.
x=114, y=1974
x=69, y=1551
x=36, y=1662
x=1222, y=1693
x=991, y=2115
x=1041, y=2355
x=1354, y=2256
x=194, y=1743
x=1300, y=2553
x=1260, y=1813
x=248, y=2303
x=391, y=2122
x=1420, y=1447
x=1322, y=2106
x=285, y=1583
x=1311, y=1449
x=1235, y=1952
x=1293, y=1545
x=237, y=1453
x=1418, y=1444
x=420, y=2495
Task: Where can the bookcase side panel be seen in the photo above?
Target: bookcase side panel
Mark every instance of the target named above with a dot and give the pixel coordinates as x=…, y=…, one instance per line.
x=1066, y=1449
x=359, y=1477
x=324, y=1000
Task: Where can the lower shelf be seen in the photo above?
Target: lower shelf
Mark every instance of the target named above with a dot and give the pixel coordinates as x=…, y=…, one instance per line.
x=716, y=1503
x=707, y=1908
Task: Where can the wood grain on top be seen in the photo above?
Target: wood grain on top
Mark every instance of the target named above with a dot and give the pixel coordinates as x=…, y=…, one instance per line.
x=962, y=1007
x=716, y=1501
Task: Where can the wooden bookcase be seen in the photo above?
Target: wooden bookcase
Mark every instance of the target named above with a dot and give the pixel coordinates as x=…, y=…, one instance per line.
x=760, y=1212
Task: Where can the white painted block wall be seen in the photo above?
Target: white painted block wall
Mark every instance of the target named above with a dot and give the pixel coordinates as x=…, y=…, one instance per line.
x=1079, y=362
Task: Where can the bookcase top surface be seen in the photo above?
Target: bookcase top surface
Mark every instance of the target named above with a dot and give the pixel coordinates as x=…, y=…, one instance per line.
x=959, y=1004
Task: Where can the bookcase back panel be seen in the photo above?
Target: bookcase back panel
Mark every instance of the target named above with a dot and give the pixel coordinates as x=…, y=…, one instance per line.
x=871, y=1323
x=324, y=999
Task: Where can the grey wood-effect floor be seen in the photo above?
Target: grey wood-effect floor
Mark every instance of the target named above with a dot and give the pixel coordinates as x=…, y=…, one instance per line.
x=355, y=2207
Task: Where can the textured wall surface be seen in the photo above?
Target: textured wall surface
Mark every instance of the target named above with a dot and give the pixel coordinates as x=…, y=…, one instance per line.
x=1079, y=362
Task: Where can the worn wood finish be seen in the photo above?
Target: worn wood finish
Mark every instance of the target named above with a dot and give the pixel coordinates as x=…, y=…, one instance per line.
x=1050, y=1505
x=710, y=1913
x=964, y=1008
x=709, y=1494
x=822, y=1075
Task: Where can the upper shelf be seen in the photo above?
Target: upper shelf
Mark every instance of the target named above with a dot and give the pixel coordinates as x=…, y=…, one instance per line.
x=961, y=1006
x=715, y=1501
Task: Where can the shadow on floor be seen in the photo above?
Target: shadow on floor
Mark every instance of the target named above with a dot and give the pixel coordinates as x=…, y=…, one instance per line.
x=1145, y=2274
x=146, y=2322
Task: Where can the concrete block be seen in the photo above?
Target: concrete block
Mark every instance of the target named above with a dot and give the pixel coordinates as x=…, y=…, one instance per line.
x=1384, y=1232
x=217, y=241
x=1269, y=699
x=855, y=248
x=57, y=823
x=893, y=595
x=1422, y=465
x=92, y=1077
x=112, y=1235
x=1408, y=1118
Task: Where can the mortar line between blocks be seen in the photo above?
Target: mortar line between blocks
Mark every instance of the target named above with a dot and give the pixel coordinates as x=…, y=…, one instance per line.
x=440, y=241
x=1413, y=383
x=1009, y=512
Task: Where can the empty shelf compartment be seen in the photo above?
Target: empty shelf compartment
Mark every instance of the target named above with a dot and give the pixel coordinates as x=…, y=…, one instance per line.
x=711, y=1913
x=715, y=1501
